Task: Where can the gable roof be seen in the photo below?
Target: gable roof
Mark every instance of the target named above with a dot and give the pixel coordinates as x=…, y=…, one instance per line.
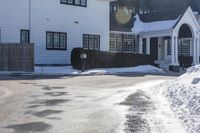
x=161, y=15
x=155, y=21
x=140, y=26
x=161, y=24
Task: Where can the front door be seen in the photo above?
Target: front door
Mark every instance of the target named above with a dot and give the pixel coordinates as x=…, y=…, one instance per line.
x=154, y=48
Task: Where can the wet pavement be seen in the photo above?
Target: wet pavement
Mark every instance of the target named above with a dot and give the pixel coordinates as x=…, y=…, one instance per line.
x=139, y=104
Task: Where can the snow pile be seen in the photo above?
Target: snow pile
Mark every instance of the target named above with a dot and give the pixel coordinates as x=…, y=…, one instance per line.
x=68, y=70
x=140, y=26
x=137, y=69
x=184, y=97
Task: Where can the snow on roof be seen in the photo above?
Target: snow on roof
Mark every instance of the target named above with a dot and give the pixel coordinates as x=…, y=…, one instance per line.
x=140, y=26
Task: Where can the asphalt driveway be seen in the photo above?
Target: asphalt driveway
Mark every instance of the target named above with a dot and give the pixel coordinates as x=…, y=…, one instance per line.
x=85, y=104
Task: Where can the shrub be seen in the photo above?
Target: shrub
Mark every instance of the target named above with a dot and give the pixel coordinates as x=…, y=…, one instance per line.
x=99, y=59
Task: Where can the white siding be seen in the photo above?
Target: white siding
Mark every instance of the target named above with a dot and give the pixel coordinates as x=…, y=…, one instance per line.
x=50, y=15
x=13, y=18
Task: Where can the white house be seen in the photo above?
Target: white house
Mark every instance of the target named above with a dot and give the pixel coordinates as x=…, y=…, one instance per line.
x=55, y=26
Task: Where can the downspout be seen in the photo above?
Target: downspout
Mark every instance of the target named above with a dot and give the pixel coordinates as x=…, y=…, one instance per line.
x=0, y=34
x=29, y=17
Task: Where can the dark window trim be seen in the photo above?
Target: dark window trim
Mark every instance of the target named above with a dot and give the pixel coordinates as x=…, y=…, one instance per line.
x=59, y=41
x=21, y=35
x=74, y=4
x=93, y=41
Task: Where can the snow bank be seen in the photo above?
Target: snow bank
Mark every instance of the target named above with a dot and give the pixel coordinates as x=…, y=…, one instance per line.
x=184, y=97
x=139, y=69
x=69, y=70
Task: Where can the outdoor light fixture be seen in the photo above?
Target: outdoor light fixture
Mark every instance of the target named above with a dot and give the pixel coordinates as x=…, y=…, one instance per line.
x=76, y=22
x=83, y=58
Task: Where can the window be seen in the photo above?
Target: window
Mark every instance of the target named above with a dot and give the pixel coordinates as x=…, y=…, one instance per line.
x=25, y=36
x=112, y=42
x=144, y=48
x=75, y=2
x=169, y=47
x=112, y=45
x=122, y=43
x=63, y=41
x=96, y=42
x=91, y=42
x=128, y=43
x=184, y=47
x=119, y=41
x=56, y=41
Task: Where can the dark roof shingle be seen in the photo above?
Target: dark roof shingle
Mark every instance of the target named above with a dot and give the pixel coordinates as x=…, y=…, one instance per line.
x=161, y=16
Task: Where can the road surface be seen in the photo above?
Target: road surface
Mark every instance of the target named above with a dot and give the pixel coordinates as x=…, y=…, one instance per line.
x=85, y=104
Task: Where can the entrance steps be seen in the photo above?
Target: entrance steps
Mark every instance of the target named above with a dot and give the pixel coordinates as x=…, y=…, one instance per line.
x=164, y=64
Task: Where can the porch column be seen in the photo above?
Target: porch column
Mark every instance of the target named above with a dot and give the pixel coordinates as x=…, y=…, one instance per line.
x=174, y=66
x=166, y=42
x=191, y=47
x=198, y=50
x=172, y=51
x=176, y=51
x=140, y=45
x=147, y=45
x=194, y=51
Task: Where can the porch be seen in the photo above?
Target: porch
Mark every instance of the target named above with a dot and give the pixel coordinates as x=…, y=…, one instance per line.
x=172, y=51
x=172, y=43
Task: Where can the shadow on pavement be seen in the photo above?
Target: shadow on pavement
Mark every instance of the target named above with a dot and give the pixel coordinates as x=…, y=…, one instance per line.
x=30, y=127
x=47, y=102
x=46, y=113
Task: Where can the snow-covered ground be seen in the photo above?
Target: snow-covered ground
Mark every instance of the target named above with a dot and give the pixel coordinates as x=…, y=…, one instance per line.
x=69, y=70
x=184, y=97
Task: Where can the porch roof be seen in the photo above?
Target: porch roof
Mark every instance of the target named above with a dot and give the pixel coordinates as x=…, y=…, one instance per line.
x=163, y=25
x=157, y=21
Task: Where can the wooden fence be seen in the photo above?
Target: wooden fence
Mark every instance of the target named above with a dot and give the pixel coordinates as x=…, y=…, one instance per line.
x=16, y=57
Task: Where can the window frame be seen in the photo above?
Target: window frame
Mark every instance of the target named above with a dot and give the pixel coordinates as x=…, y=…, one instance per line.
x=94, y=37
x=60, y=48
x=24, y=30
x=73, y=3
